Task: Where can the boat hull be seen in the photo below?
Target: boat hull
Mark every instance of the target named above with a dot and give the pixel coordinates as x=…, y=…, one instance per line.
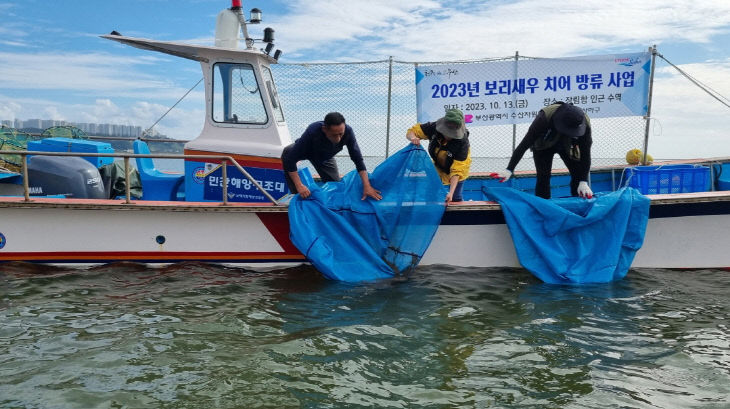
x=85, y=232
x=684, y=231
x=681, y=233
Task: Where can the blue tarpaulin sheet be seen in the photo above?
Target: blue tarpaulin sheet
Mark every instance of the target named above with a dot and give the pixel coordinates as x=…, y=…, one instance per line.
x=573, y=240
x=350, y=239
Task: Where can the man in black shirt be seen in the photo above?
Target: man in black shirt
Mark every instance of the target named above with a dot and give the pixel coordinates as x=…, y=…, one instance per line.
x=319, y=143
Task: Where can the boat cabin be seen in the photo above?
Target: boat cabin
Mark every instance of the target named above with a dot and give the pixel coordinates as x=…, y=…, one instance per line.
x=244, y=117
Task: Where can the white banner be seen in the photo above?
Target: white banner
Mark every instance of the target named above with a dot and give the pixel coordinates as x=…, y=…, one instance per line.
x=511, y=92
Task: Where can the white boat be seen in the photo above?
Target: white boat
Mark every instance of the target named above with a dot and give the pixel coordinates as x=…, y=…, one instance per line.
x=685, y=231
x=233, y=180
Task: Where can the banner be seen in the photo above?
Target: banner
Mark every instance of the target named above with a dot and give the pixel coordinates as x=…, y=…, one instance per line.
x=512, y=92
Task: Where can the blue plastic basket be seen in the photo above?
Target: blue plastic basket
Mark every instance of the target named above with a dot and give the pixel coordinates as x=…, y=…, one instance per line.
x=651, y=180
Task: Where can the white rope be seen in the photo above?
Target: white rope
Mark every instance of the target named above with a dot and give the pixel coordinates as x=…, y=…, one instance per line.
x=173, y=106
x=707, y=89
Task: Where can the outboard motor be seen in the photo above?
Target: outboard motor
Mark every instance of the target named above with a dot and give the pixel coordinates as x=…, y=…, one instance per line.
x=64, y=175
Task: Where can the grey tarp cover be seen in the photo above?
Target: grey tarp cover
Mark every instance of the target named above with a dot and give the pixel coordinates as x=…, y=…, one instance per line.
x=112, y=175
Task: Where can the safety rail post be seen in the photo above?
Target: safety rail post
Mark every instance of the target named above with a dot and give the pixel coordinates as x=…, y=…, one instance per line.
x=127, y=193
x=652, y=50
x=24, y=167
x=387, y=118
x=514, y=98
x=224, y=173
x=613, y=179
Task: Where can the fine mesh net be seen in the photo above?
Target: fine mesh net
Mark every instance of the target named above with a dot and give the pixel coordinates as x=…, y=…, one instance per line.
x=64, y=132
x=350, y=239
x=12, y=140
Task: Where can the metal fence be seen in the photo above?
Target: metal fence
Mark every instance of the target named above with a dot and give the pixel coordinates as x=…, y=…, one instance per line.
x=378, y=99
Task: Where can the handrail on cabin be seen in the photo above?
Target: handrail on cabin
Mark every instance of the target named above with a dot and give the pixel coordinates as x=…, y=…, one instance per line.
x=224, y=160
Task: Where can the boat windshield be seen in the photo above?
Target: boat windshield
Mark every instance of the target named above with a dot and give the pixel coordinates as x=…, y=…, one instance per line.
x=237, y=95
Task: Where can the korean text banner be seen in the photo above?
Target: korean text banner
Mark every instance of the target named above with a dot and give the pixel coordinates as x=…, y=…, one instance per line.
x=511, y=92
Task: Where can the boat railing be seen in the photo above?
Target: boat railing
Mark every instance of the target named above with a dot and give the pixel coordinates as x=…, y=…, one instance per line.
x=225, y=159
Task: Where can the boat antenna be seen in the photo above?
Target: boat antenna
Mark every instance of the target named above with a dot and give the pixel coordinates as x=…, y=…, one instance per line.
x=237, y=8
x=146, y=132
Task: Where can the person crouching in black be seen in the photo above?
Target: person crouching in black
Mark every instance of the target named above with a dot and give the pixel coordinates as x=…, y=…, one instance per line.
x=319, y=143
x=558, y=128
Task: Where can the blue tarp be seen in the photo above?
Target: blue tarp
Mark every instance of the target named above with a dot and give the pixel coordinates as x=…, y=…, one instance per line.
x=573, y=240
x=349, y=239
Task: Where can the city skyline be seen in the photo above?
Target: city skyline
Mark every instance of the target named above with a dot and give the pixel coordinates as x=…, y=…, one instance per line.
x=91, y=129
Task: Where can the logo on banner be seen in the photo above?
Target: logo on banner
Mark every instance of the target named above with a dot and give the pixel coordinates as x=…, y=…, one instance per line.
x=628, y=62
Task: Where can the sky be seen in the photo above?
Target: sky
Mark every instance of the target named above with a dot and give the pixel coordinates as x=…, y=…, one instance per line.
x=53, y=65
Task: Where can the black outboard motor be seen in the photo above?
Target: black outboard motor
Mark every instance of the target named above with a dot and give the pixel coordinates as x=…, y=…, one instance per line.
x=64, y=175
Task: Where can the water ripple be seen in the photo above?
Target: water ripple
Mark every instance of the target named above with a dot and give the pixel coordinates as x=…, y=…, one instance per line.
x=201, y=335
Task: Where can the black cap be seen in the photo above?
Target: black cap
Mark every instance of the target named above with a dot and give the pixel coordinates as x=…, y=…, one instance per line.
x=570, y=120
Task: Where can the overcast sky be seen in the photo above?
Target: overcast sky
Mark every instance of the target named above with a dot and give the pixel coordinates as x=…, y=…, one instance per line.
x=53, y=64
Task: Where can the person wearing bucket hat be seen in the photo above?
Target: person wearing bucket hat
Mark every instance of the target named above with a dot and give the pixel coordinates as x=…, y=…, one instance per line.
x=448, y=146
x=558, y=128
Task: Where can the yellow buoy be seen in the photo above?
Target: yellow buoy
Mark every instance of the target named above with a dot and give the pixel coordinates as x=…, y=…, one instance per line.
x=634, y=156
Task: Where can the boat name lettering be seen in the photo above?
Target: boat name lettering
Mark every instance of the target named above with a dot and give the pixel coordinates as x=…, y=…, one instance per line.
x=35, y=190
x=271, y=186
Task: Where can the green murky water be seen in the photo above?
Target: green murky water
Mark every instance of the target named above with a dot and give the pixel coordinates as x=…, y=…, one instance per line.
x=205, y=336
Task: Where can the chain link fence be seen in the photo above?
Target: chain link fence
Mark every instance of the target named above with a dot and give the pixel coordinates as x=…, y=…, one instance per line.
x=378, y=99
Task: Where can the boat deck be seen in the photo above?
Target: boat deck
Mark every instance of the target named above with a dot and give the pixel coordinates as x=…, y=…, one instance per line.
x=47, y=202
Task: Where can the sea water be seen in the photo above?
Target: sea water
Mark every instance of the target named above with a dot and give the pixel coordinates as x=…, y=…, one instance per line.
x=196, y=335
